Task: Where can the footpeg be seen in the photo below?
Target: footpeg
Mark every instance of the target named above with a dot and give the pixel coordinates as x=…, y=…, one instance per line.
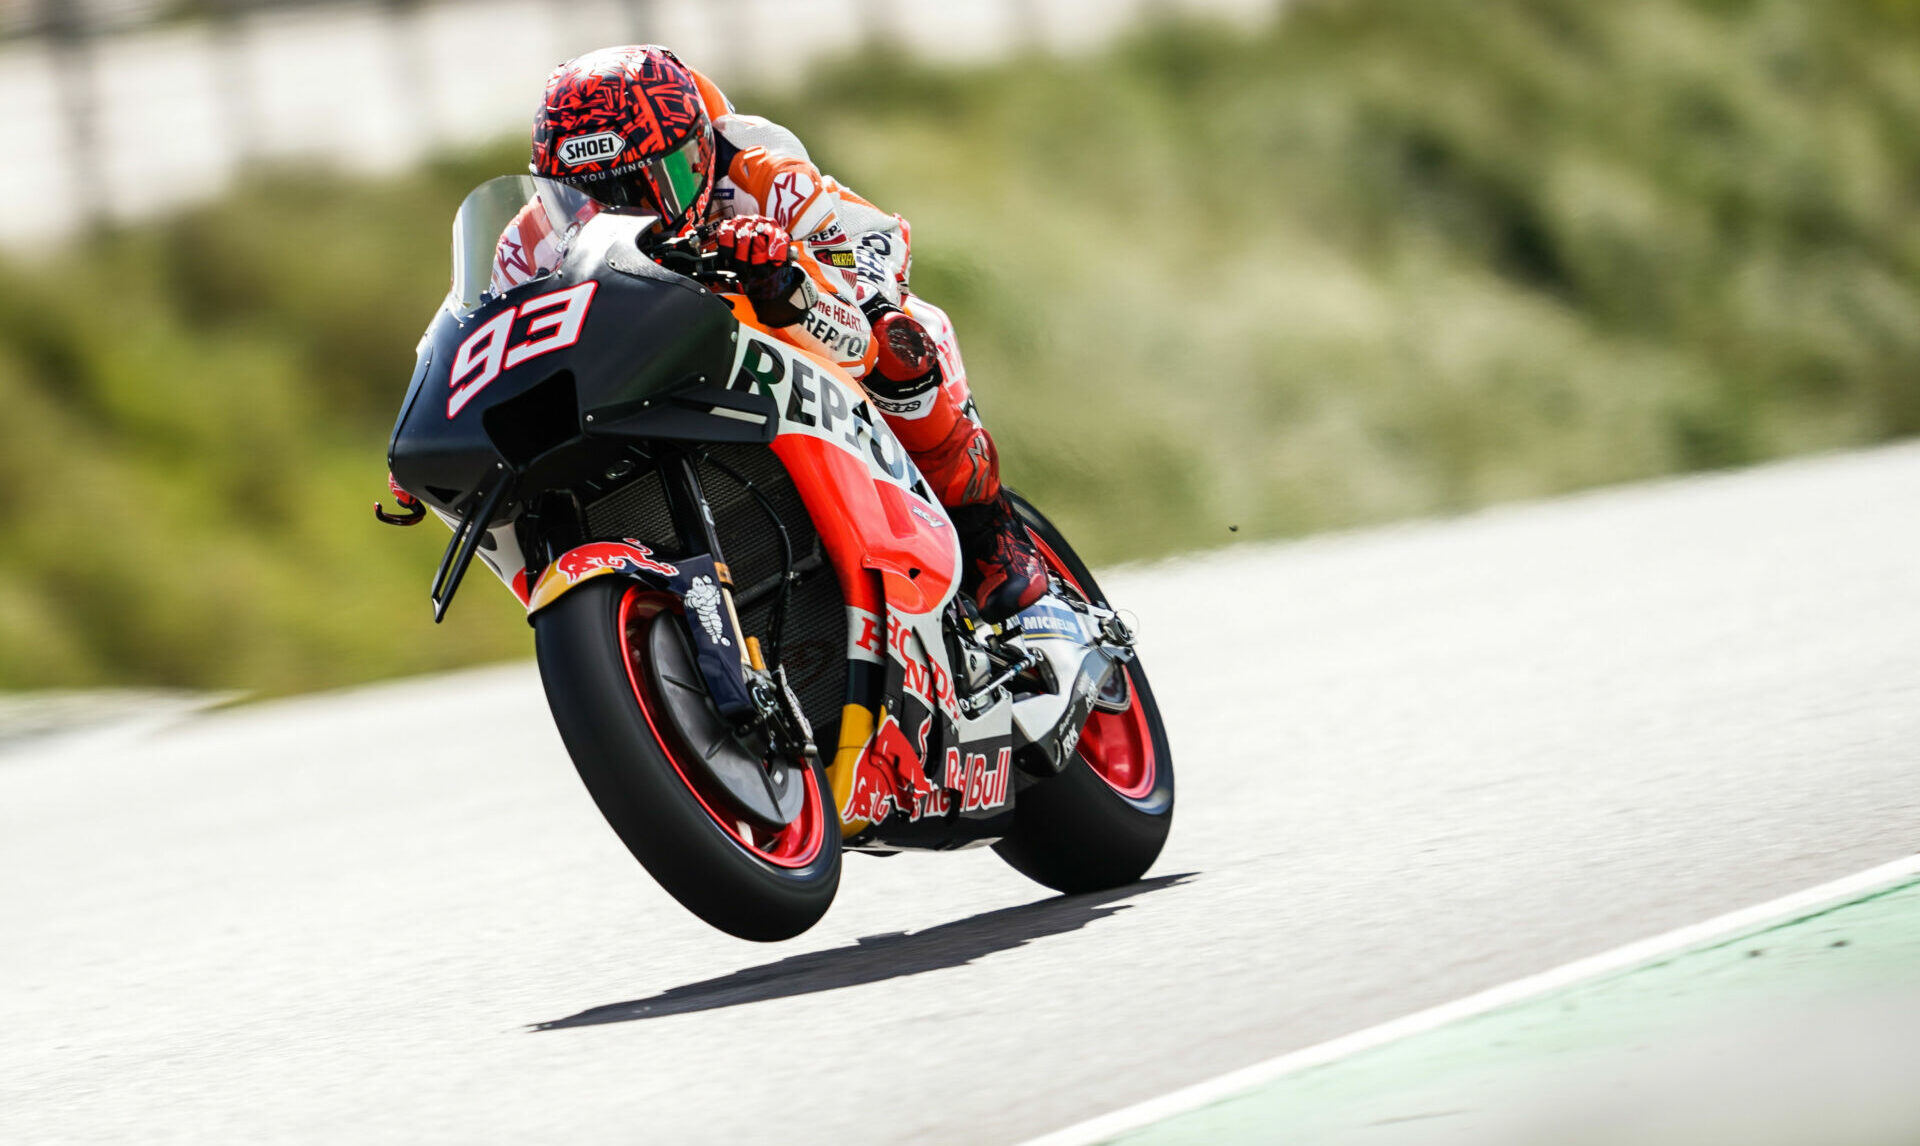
x=978, y=702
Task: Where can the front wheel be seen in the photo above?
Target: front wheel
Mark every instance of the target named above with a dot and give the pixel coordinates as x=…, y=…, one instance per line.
x=1102, y=821
x=616, y=663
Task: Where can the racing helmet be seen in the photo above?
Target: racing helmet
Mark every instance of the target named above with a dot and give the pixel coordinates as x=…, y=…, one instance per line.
x=628, y=126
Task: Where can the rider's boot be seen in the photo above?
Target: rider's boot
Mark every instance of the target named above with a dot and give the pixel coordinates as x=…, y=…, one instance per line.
x=936, y=422
x=1004, y=573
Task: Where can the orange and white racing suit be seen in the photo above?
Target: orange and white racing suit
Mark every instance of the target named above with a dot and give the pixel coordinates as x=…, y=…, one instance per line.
x=857, y=257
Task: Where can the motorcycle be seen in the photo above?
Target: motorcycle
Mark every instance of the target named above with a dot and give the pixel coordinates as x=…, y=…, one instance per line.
x=744, y=597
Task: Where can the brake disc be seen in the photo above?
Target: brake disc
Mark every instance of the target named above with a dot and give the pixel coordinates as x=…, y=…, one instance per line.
x=766, y=793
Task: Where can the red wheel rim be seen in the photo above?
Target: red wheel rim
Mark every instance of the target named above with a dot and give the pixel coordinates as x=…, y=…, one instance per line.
x=1118, y=746
x=795, y=845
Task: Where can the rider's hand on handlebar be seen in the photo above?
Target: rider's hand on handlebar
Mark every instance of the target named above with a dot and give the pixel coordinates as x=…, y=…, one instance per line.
x=753, y=243
x=764, y=257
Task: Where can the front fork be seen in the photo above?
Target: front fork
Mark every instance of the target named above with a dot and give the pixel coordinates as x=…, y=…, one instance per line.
x=772, y=712
x=754, y=699
x=693, y=520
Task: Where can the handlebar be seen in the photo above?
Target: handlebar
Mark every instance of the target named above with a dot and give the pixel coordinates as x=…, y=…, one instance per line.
x=770, y=291
x=683, y=255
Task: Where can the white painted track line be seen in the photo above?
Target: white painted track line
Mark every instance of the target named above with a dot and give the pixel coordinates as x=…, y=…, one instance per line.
x=1109, y=1126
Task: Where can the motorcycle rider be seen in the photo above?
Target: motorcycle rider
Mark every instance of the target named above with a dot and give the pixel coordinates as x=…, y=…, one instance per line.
x=638, y=130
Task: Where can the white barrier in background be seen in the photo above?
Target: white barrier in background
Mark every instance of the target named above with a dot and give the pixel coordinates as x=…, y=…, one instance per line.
x=177, y=110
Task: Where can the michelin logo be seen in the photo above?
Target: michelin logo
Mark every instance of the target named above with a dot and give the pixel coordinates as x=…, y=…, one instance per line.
x=703, y=597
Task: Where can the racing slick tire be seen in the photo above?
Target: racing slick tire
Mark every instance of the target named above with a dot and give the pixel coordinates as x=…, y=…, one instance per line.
x=1101, y=822
x=625, y=721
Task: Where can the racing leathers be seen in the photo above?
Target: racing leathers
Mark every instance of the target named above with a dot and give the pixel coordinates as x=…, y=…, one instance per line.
x=857, y=260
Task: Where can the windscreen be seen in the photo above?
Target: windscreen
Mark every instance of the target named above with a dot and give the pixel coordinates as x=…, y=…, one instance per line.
x=512, y=230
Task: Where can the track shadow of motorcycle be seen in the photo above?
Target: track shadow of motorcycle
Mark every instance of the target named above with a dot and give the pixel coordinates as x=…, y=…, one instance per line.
x=877, y=958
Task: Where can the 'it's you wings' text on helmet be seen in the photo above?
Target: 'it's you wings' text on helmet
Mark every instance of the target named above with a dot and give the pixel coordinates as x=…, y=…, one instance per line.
x=628, y=127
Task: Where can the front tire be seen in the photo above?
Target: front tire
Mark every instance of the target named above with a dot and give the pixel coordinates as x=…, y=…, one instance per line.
x=1102, y=821
x=748, y=881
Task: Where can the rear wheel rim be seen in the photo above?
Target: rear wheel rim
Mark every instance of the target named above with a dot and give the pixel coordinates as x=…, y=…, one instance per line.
x=1118, y=746
x=794, y=846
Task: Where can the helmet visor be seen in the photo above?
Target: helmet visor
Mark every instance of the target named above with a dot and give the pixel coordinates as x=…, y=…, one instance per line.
x=679, y=176
x=668, y=185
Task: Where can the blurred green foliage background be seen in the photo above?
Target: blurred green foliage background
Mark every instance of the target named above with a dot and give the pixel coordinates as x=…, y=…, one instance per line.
x=1393, y=257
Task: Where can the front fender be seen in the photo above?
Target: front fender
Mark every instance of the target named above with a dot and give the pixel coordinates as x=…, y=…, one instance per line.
x=597, y=559
x=693, y=580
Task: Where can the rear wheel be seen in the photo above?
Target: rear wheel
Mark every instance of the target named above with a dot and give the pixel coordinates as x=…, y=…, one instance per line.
x=1102, y=821
x=612, y=657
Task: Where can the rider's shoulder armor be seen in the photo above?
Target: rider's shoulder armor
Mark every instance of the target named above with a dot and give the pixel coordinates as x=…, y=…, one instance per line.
x=746, y=132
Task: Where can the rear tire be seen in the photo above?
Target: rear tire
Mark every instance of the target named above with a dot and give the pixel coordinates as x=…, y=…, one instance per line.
x=1102, y=821
x=746, y=881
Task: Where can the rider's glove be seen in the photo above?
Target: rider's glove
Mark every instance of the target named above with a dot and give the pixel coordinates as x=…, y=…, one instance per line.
x=754, y=242
x=763, y=255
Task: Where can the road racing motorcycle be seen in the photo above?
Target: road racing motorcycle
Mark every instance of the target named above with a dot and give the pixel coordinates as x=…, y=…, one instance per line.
x=744, y=595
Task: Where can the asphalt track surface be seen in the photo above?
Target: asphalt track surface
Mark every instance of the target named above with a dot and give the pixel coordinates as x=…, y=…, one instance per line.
x=1415, y=763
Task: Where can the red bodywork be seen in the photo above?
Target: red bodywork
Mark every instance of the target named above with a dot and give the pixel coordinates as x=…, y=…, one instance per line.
x=896, y=556
x=868, y=524
x=865, y=523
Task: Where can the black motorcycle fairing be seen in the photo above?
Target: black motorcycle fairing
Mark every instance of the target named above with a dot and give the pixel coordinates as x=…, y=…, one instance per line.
x=664, y=379
x=651, y=361
x=422, y=364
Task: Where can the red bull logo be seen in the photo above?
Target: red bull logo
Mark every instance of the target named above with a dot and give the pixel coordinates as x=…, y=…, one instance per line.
x=882, y=785
x=940, y=801
x=936, y=803
x=872, y=797
x=627, y=556
x=981, y=786
x=888, y=776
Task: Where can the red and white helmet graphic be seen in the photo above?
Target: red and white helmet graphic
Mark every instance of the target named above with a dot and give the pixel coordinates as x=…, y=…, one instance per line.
x=628, y=127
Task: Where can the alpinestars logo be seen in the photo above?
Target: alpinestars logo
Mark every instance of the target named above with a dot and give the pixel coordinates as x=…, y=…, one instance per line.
x=601, y=145
x=703, y=597
x=791, y=191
